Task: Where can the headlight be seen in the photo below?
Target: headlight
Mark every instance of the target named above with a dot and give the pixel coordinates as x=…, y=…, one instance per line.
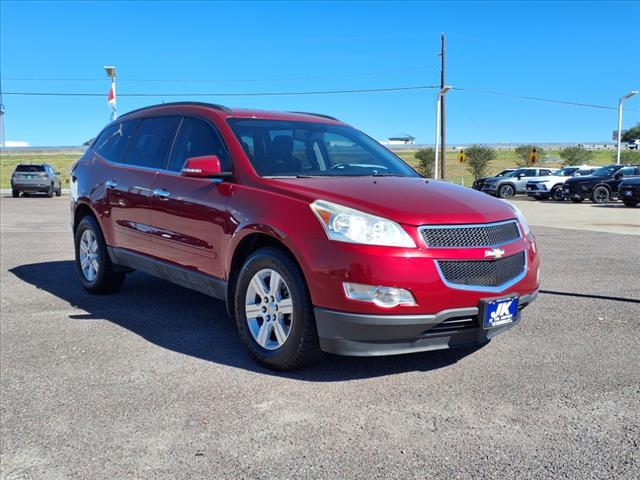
x=345, y=224
x=521, y=219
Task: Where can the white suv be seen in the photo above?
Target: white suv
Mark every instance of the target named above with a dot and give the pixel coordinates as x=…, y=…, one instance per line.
x=550, y=186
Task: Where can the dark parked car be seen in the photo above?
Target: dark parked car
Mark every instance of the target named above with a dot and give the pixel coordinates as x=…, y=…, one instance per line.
x=630, y=191
x=317, y=237
x=477, y=184
x=601, y=186
x=35, y=178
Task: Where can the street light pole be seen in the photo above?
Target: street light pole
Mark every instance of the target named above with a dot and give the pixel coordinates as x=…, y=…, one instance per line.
x=441, y=94
x=628, y=95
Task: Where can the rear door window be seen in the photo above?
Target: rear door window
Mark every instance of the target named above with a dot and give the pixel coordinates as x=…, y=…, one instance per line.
x=151, y=142
x=528, y=173
x=197, y=138
x=112, y=141
x=627, y=171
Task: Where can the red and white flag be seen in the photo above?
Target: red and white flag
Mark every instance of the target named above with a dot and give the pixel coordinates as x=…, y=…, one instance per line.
x=112, y=95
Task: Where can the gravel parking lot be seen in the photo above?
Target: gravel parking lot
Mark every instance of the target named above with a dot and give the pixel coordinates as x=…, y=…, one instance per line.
x=153, y=382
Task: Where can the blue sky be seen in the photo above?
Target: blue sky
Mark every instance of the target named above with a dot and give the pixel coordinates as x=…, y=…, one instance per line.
x=575, y=51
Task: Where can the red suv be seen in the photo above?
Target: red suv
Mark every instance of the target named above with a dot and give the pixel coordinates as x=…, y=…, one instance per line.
x=318, y=238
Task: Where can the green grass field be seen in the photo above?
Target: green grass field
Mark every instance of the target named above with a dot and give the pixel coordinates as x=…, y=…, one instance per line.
x=60, y=162
x=505, y=159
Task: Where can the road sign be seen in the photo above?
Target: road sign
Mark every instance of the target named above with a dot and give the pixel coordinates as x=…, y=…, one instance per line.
x=533, y=156
x=461, y=156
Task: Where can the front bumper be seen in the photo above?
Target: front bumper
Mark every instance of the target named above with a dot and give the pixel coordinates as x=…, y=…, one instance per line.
x=629, y=194
x=357, y=334
x=576, y=192
x=490, y=189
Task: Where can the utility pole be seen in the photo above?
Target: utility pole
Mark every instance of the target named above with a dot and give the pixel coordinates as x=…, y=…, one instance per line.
x=443, y=122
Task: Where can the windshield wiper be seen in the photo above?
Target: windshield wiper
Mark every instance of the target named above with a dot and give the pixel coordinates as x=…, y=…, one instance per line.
x=386, y=175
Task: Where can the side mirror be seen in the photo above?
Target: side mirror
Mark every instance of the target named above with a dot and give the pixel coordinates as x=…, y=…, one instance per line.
x=519, y=177
x=617, y=176
x=207, y=166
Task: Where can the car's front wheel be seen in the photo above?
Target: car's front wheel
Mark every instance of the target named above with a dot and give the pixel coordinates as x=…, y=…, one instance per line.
x=273, y=311
x=506, y=191
x=630, y=203
x=93, y=264
x=556, y=194
x=600, y=195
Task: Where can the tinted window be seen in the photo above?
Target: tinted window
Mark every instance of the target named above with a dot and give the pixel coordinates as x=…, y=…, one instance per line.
x=283, y=148
x=30, y=168
x=545, y=172
x=528, y=173
x=112, y=141
x=627, y=171
x=151, y=142
x=195, y=139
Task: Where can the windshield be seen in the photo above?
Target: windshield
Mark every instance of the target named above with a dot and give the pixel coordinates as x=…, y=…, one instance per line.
x=503, y=173
x=279, y=148
x=514, y=173
x=564, y=172
x=605, y=171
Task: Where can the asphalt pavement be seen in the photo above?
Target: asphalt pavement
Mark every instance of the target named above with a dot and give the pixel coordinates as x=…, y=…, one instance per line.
x=153, y=382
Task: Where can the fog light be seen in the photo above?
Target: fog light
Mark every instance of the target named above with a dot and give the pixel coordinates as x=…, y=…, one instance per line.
x=385, y=297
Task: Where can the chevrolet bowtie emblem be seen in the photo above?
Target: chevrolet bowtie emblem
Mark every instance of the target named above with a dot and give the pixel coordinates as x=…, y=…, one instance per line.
x=495, y=253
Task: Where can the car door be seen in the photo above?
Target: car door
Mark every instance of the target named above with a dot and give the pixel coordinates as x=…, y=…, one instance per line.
x=130, y=180
x=620, y=175
x=522, y=179
x=188, y=215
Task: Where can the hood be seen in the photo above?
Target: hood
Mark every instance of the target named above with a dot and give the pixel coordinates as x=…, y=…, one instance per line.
x=407, y=200
x=583, y=179
x=549, y=178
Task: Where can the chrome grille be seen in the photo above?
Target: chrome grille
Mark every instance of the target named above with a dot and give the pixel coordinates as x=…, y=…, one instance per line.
x=469, y=236
x=483, y=273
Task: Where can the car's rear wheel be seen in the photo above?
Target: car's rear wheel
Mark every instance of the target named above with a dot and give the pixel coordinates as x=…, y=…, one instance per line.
x=600, y=195
x=506, y=191
x=93, y=265
x=273, y=311
x=630, y=203
x=577, y=200
x=59, y=191
x=556, y=194
x=15, y=193
x=50, y=191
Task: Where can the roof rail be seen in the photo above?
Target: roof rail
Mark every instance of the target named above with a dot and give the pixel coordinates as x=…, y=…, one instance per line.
x=176, y=104
x=318, y=115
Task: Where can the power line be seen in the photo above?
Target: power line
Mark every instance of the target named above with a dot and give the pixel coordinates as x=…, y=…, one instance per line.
x=225, y=94
x=241, y=80
x=314, y=92
x=537, y=99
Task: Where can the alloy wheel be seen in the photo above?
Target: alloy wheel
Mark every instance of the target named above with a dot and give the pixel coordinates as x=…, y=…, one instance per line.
x=269, y=309
x=89, y=255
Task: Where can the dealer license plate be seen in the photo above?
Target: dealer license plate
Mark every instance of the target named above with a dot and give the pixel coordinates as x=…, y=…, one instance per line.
x=497, y=312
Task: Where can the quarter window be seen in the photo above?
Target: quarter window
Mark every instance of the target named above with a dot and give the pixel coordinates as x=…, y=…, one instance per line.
x=112, y=141
x=195, y=139
x=151, y=142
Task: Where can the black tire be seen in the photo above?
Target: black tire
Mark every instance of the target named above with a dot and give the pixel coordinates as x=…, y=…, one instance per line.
x=630, y=203
x=59, y=192
x=301, y=346
x=600, y=194
x=506, y=191
x=15, y=193
x=577, y=200
x=556, y=193
x=107, y=280
x=50, y=191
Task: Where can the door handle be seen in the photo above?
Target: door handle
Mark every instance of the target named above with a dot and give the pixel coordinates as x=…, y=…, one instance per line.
x=161, y=193
x=111, y=184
